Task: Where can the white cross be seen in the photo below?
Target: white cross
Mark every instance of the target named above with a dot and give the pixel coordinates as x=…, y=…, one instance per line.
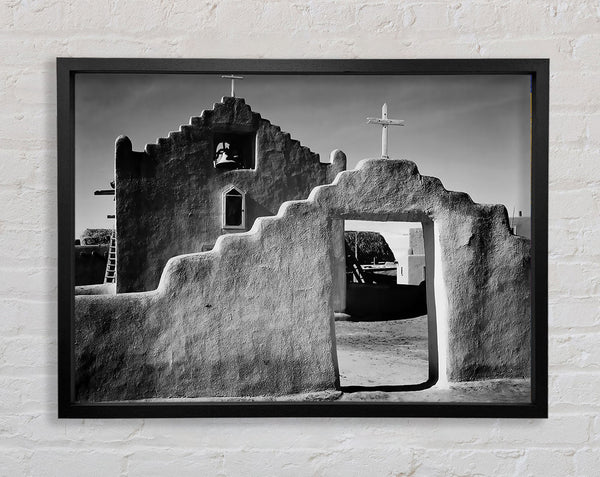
x=232, y=78
x=385, y=122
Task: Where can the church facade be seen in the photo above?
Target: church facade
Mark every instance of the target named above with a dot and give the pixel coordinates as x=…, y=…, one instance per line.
x=215, y=176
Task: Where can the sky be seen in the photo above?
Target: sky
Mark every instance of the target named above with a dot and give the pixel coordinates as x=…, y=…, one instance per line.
x=470, y=131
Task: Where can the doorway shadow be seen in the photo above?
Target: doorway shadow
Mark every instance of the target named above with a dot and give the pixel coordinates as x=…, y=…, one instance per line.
x=390, y=388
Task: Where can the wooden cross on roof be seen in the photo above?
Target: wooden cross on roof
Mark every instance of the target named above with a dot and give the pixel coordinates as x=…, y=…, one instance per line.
x=232, y=78
x=385, y=122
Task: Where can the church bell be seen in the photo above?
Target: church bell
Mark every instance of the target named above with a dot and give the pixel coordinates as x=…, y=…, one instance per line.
x=226, y=157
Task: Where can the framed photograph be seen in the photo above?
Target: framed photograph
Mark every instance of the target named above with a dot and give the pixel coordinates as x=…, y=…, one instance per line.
x=302, y=237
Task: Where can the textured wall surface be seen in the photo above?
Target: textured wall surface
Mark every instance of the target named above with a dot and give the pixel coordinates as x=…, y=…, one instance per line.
x=169, y=197
x=485, y=270
x=254, y=316
x=34, y=442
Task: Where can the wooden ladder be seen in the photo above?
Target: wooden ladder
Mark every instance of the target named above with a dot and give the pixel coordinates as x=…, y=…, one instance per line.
x=357, y=271
x=110, y=275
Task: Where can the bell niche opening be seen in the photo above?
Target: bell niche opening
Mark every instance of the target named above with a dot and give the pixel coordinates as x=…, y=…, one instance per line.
x=234, y=150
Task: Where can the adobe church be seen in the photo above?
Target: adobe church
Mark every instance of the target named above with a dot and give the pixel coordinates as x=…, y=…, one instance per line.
x=214, y=176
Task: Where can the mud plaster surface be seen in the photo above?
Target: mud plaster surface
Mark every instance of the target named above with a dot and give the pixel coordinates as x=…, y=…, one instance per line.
x=393, y=353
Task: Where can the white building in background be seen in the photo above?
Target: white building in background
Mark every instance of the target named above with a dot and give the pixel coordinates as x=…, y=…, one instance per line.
x=521, y=225
x=411, y=267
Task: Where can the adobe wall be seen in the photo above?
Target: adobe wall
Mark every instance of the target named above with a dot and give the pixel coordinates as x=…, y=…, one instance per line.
x=374, y=302
x=411, y=265
x=168, y=197
x=415, y=265
x=483, y=268
x=90, y=264
x=252, y=317
x=255, y=316
x=416, y=241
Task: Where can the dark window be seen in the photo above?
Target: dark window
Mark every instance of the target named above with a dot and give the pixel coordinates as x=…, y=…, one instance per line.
x=234, y=209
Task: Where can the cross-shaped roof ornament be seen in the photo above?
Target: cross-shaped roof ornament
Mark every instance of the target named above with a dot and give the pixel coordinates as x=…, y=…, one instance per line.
x=385, y=122
x=232, y=78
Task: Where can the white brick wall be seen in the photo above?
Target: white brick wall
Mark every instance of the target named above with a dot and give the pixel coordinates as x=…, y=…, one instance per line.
x=34, y=442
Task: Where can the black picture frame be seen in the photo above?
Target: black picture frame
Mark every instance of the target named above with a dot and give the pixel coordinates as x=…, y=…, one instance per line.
x=538, y=69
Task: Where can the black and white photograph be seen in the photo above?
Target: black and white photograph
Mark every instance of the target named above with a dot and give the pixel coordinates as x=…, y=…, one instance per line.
x=330, y=239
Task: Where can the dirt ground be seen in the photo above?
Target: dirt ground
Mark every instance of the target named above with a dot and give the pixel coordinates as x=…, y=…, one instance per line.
x=382, y=352
x=389, y=353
